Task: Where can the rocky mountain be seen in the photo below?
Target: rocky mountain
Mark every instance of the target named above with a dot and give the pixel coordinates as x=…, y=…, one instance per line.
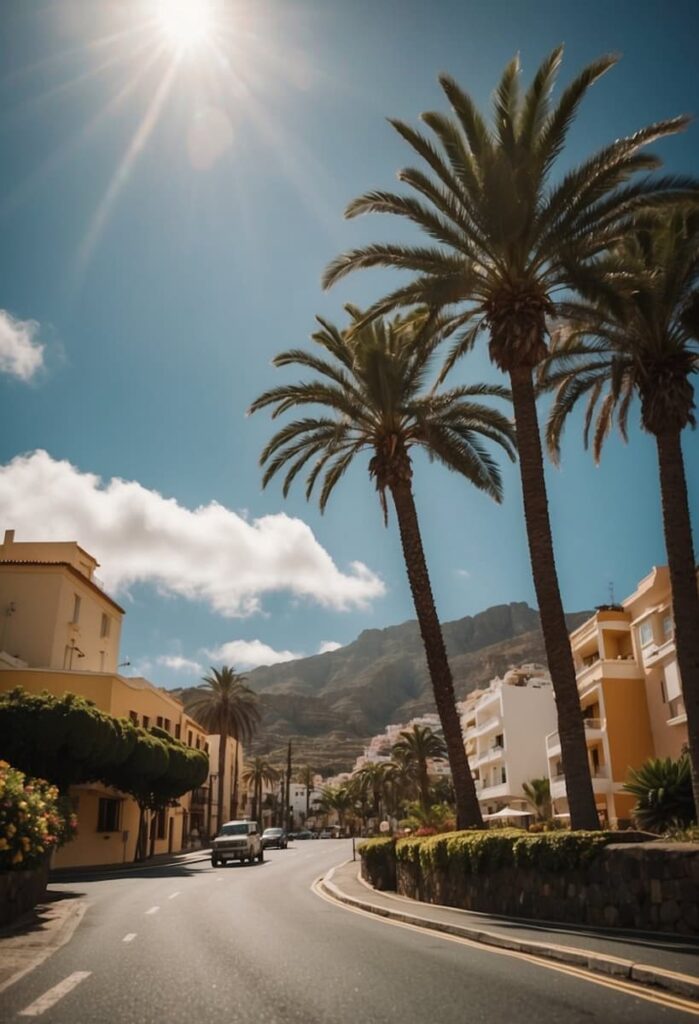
x=330, y=704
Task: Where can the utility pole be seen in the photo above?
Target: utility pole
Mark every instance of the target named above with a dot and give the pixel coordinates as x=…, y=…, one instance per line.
x=289, y=813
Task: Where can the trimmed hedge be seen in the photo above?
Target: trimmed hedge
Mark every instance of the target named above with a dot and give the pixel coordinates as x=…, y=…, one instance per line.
x=379, y=862
x=478, y=851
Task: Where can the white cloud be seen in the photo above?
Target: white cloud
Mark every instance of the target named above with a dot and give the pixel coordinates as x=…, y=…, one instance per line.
x=208, y=554
x=463, y=573
x=21, y=354
x=329, y=645
x=242, y=654
x=179, y=664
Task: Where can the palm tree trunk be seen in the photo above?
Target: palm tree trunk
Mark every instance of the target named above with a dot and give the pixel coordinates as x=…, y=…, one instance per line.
x=234, y=794
x=222, y=737
x=468, y=812
x=581, y=798
x=683, y=581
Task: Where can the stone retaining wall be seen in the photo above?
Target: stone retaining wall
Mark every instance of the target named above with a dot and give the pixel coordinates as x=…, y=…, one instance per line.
x=20, y=891
x=646, y=886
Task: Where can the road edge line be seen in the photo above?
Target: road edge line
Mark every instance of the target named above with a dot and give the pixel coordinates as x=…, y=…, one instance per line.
x=645, y=974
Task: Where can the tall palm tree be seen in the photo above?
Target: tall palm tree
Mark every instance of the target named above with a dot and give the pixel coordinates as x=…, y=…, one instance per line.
x=506, y=239
x=256, y=774
x=418, y=745
x=370, y=783
x=338, y=799
x=371, y=382
x=636, y=334
x=223, y=704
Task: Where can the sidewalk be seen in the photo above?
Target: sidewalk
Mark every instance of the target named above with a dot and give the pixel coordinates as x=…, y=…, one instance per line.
x=32, y=938
x=161, y=860
x=670, y=962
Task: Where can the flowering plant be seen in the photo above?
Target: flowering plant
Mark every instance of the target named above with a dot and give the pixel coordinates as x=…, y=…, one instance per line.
x=34, y=820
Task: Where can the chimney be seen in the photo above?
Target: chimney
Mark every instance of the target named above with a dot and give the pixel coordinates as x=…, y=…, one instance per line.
x=9, y=537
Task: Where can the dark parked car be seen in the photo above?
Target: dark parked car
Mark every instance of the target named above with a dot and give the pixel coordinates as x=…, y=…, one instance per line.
x=305, y=833
x=274, y=837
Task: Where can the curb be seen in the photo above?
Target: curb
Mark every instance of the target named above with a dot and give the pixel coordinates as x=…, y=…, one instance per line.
x=32, y=953
x=600, y=963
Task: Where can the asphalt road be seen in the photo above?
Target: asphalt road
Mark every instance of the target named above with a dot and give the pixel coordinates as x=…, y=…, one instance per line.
x=255, y=944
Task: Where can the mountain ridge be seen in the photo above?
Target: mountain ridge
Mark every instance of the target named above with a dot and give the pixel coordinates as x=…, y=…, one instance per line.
x=330, y=704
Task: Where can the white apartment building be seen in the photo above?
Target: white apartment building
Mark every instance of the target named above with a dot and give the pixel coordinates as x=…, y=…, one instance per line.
x=504, y=729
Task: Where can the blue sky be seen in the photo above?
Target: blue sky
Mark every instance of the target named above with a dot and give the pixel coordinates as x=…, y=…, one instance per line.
x=163, y=235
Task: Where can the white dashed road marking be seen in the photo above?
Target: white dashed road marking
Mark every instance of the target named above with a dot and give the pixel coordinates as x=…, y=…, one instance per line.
x=50, y=998
x=153, y=910
x=173, y=894
x=130, y=937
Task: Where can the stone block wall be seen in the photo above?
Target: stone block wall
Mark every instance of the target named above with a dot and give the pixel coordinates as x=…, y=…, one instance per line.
x=645, y=886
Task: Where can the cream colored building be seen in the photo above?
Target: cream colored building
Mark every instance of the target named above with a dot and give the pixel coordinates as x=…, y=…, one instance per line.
x=60, y=632
x=504, y=728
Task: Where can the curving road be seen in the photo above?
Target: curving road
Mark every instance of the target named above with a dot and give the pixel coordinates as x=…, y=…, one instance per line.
x=254, y=944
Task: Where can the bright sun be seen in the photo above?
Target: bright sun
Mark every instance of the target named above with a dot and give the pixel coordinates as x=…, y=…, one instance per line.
x=186, y=24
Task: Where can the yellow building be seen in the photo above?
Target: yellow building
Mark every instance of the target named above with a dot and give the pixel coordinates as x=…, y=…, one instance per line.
x=60, y=632
x=630, y=694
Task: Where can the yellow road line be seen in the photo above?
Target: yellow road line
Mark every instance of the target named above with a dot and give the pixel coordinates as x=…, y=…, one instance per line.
x=666, y=999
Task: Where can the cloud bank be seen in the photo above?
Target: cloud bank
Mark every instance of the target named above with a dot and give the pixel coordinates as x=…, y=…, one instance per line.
x=21, y=355
x=180, y=664
x=208, y=554
x=244, y=654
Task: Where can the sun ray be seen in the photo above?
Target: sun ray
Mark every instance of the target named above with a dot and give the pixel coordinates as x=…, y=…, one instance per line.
x=124, y=169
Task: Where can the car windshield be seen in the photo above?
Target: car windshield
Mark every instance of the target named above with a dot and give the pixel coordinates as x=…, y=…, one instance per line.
x=272, y=832
x=237, y=829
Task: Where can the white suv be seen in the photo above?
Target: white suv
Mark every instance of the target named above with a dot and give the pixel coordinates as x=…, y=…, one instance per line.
x=237, y=840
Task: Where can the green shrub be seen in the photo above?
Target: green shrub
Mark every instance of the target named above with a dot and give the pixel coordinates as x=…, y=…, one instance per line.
x=477, y=852
x=375, y=852
x=33, y=820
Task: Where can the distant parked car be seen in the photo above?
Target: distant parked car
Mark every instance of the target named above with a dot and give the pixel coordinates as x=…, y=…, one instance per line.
x=327, y=833
x=305, y=833
x=274, y=837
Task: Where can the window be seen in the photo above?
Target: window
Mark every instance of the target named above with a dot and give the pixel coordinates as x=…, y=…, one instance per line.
x=667, y=626
x=177, y=732
x=159, y=721
x=197, y=743
x=189, y=737
x=645, y=633
x=146, y=721
x=108, y=814
x=133, y=715
x=166, y=724
x=105, y=627
x=161, y=825
x=76, y=609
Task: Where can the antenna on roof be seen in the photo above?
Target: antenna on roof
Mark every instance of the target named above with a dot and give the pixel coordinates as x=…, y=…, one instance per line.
x=611, y=592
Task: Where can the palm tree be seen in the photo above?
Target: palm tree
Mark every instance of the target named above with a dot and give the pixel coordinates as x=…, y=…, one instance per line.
x=256, y=774
x=663, y=789
x=506, y=240
x=418, y=745
x=538, y=793
x=306, y=776
x=639, y=337
x=373, y=387
x=223, y=704
x=338, y=799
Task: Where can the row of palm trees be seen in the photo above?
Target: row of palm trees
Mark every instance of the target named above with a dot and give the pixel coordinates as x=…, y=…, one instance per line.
x=585, y=284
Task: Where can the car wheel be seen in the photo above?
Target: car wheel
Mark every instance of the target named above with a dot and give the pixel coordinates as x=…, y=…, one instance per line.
x=214, y=862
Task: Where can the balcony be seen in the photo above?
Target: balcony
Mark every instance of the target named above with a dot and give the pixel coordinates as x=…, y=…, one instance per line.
x=654, y=653
x=676, y=711
x=200, y=798
x=610, y=668
x=594, y=730
x=601, y=782
x=490, y=725
x=490, y=792
x=493, y=753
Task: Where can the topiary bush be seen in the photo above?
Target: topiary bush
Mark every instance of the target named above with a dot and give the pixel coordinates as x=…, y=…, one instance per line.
x=33, y=820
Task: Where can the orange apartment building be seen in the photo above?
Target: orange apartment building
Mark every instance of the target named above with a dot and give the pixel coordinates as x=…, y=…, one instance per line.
x=630, y=694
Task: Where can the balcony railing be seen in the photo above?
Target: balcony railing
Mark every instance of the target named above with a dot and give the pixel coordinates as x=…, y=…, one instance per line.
x=553, y=740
